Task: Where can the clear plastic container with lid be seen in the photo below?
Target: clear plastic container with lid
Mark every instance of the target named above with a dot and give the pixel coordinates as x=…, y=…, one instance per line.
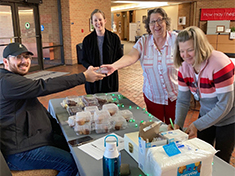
x=71, y=120
x=83, y=129
x=102, y=98
x=103, y=127
x=71, y=100
x=91, y=109
x=80, y=103
x=72, y=110
x=90, y=100
x=111, y=107
x=127, y=114
x=83, y=117
x=102, y=116
x=119, y=122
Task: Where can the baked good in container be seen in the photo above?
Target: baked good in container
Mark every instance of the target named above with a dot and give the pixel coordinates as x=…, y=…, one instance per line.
x=111, y=107
x=127, y=114
x=83, y=117
x=90, y=100
x=101, y=116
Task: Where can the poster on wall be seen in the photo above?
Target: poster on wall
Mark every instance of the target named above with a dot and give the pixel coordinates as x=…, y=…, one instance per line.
x=91, y=25
x=119, y=27
x=218, y=14
x=144, y=18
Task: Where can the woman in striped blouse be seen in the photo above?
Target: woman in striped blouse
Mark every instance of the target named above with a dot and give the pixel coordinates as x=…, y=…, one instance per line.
x=155, y=53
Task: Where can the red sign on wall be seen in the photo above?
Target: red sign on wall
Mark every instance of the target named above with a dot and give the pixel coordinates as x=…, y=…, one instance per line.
x=218, y=14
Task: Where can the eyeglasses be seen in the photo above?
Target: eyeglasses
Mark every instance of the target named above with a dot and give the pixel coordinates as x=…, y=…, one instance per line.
x=159, y=21
x=22, y=56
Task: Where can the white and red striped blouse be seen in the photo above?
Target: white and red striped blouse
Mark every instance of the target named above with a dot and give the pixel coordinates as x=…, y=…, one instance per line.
x=160, y=74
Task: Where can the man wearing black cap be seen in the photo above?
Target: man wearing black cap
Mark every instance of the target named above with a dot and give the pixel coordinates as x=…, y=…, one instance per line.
x=26, y=136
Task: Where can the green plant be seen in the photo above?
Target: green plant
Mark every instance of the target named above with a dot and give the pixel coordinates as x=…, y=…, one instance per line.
x=233, y=29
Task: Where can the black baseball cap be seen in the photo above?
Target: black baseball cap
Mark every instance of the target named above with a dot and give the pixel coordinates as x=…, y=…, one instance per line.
x=15, y=49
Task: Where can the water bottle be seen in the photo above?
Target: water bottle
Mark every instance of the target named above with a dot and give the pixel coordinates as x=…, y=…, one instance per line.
x=111, y=158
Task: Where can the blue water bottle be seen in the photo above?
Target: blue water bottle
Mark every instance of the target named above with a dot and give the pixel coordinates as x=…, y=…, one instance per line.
x=111, y=158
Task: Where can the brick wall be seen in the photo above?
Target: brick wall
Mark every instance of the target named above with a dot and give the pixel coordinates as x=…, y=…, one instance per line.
x=186, y=10
x=117, y=18
x=76, y=14
x=49, y=19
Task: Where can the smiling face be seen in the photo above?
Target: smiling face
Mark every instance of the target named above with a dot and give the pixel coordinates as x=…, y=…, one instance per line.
x=187, y=51
x=157, y=25
x=99, y=22
x=19, y=65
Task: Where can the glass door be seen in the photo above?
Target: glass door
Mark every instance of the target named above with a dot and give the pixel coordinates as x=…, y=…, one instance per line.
x=29, y=36
x=18, y=25
x=51, y=32
x=6, y=28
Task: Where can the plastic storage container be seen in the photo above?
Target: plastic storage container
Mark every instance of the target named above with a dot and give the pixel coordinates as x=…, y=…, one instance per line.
x=71, y=120
x=83, y=129
x=111, y=107
x=102, y=116
x=103, y=127
x=83, y=117
x=72, y=110
x=127, y=114
x=119, y=122
x=91, y=109
x=90, y=100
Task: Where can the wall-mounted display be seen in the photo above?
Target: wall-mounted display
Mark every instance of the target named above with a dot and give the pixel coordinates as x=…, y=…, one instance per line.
x=232, y=35
x=143, y=18
x=220, y=28
x=91, y=25
x=182, y=20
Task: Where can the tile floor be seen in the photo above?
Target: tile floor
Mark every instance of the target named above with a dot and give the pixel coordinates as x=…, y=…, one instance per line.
x=130, y=85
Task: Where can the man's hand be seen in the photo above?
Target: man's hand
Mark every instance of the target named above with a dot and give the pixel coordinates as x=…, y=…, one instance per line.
x=191, y=131
x=110, y=68
x=91, y=75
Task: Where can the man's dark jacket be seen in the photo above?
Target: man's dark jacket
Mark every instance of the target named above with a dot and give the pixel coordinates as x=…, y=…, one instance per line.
x=24, y=121
x=112, y=51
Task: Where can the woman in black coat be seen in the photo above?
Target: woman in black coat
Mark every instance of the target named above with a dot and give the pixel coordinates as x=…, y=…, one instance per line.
x=101, y=47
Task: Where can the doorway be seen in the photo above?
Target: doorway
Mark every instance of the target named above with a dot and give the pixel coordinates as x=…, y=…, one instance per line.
x=20, y=22
x=19, y=26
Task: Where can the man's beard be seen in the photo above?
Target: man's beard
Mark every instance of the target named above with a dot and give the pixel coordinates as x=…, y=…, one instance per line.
x=17, y=70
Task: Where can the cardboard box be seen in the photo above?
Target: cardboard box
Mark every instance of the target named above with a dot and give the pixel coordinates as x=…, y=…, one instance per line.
x=143, y=149
x=175, y=136
x=131, y=144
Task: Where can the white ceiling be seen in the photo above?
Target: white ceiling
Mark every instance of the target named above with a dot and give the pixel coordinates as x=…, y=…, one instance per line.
x=135, y=5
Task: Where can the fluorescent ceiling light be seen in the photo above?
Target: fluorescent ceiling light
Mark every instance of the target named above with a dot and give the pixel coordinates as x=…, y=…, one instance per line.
x=137, y=5
x=129, y=2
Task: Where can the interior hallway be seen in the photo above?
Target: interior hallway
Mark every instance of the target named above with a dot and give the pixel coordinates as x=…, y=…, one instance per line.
x=130, y=85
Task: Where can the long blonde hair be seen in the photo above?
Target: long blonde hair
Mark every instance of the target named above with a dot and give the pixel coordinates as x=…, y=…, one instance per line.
x=202, y=47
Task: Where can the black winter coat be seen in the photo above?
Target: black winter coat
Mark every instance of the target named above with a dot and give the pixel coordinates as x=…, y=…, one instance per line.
x=24, y=122
x=112, y=51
